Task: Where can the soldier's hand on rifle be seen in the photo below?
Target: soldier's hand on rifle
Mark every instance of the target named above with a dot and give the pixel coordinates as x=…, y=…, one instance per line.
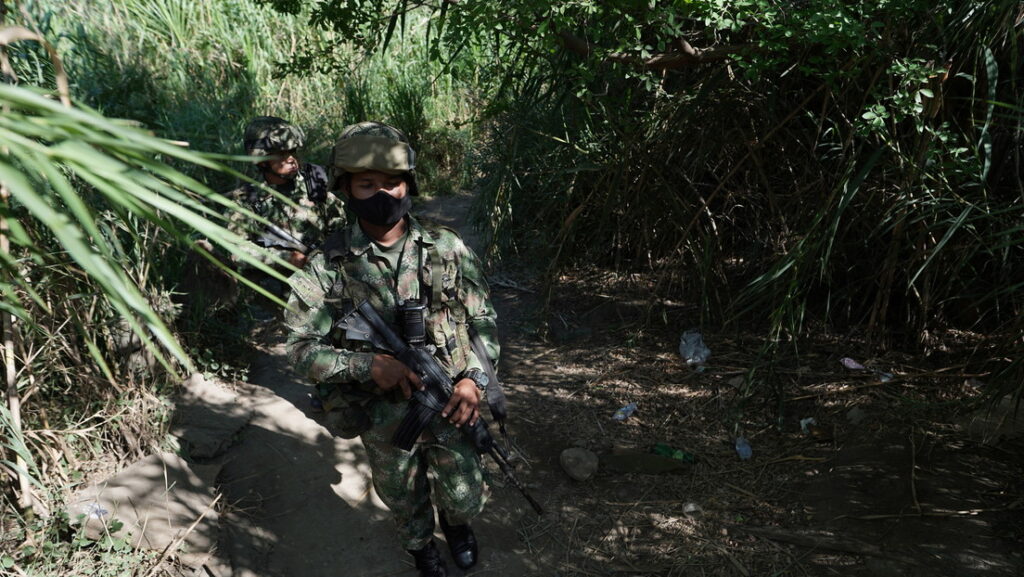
x=297, y=259
x=464, y=404
x=389, y=372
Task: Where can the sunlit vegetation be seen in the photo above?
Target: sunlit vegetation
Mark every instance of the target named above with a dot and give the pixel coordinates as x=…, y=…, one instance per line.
x=848, y=165
x=99, y=215
x=851, y=167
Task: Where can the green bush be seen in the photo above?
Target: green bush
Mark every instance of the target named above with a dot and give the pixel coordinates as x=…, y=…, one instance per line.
x=102, y=213
x=829, y=162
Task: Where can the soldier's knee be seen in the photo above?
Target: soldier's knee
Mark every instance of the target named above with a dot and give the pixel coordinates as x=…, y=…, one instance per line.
x=462, y=511
x=463, y=498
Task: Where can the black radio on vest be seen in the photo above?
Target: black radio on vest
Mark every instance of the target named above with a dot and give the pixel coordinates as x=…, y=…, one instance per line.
x=411, y=315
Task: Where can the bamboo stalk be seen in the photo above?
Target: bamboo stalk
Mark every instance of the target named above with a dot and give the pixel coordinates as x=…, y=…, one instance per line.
x=25, y=497
x=25, y=500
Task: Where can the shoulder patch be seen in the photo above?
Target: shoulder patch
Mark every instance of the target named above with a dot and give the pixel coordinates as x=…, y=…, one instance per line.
x=308, y=285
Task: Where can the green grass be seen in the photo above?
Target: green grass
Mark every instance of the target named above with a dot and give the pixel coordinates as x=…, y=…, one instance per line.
x=102, y=215
x=197, y=72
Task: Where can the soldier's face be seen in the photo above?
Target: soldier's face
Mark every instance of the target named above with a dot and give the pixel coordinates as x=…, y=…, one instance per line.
x=366, y=184
x=284, y=165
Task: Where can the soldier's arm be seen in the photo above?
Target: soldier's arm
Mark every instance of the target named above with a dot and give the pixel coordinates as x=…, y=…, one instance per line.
x=334, y=214
x=309, y=320
x=463, y=405
x=476, y=297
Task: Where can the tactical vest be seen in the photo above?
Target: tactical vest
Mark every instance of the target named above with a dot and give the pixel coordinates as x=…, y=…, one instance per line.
x=451, y=334
x=436, y=275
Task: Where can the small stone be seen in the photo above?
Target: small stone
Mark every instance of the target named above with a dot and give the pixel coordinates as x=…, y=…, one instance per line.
x=692, y=509
x=579, y=463
x=856, y=416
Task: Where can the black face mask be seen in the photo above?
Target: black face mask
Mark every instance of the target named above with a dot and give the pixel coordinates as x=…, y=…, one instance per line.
x=381, y=209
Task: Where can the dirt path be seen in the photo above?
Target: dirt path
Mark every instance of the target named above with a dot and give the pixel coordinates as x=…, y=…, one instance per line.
x=301, y=503
x=904, y=490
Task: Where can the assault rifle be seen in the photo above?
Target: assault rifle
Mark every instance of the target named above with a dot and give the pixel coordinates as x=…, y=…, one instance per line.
x=432, y=399
x=276, y=237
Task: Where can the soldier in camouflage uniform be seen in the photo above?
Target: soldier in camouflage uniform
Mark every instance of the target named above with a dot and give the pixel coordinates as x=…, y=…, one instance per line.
x=313, y=211
x=389, y=257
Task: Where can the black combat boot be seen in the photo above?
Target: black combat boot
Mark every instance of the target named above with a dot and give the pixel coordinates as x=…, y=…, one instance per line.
x=461, y=542
x=429, y=562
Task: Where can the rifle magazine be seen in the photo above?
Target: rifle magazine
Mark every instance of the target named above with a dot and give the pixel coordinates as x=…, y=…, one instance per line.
x=416, y=418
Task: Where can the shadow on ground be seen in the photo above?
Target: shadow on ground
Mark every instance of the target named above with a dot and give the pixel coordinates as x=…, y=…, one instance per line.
x=299, y=502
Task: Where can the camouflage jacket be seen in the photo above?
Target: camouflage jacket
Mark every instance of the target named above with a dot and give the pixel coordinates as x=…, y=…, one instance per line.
x=350, y=271
x=319, y=212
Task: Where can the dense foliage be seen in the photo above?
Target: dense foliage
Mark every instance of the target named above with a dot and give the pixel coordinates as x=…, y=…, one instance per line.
x=101, y=216
x=846, y=166
x=852, y=164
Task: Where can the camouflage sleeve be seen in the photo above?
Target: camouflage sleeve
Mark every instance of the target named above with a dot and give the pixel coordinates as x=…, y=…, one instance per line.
x=239, y=224
x=476, y=297
x=332, y=214
x=308, y=321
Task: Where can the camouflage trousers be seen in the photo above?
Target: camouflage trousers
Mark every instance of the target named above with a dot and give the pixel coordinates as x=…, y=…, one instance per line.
x=401, y=477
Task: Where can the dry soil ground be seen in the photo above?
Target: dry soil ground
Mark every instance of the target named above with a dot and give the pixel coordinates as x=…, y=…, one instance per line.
x=894, y=480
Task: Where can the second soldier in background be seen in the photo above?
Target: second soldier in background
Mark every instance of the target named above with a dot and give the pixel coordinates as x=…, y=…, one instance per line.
x=314, y=213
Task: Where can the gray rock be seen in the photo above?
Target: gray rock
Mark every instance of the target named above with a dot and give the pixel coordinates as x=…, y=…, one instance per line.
x=580, y=464
x=157, y=503
x=856, y=416
x=692, y=348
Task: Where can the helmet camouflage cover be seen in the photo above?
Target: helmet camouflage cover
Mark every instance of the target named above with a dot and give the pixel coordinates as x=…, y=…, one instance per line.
x=267, y=135
x=372, y=146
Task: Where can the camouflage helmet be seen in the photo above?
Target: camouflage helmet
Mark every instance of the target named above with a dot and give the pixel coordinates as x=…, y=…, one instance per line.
x=267, y=135
x=372, y=146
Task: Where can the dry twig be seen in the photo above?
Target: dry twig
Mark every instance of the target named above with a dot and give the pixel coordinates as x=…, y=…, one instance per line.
x=173, y=545
x=845, y=544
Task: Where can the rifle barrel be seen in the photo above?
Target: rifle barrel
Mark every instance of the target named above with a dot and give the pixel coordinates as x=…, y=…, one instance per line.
x=288, y=237
x=507, y=470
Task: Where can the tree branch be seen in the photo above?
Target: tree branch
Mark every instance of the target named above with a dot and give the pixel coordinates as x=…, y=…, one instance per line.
x=680, y=59
x=687, y=55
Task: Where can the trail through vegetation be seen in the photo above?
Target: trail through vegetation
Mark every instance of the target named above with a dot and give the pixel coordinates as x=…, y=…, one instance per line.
x=831, y=193
x=887, y=481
